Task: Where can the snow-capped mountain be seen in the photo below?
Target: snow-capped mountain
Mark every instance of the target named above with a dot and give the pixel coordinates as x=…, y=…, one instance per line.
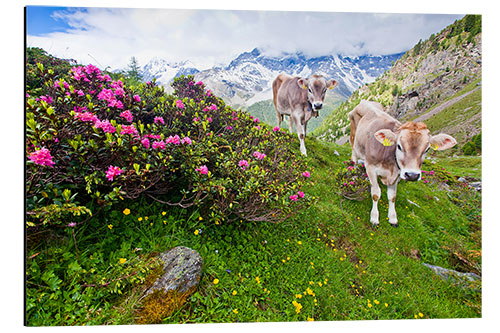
x=248, y=78
x=165, y=72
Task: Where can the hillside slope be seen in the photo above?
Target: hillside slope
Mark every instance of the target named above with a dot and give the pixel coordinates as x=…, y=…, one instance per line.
x=432, y=73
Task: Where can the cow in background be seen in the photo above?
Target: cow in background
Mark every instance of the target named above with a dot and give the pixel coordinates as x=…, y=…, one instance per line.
x=300, y=99
x=390, y=150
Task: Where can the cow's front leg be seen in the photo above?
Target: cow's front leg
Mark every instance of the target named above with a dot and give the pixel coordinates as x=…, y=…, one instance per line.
x=391, y=197
x=375, y=193
x=290, y=128
x=300, y=133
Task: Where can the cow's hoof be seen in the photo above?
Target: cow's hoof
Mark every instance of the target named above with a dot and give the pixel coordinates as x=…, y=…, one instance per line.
x=375, y=225
x=395, y=225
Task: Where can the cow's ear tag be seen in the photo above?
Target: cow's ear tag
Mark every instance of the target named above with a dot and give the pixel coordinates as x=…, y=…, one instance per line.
x=387, y=142
x=331, y=87
x=304, y=87
x=434, y=146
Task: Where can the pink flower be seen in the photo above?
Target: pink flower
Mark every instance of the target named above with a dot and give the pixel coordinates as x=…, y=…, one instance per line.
x=137, y=98
x=257, y=127
x=159, y=120
x=199, y=83
x=196, y=119
x=113, y=171
x=173, y=139
x=186, y=140
x=203, y=170
x=256, y=120
x=179, y=104
x=209, y=119
x=209, y=93
x=145, y=142
x=306, y=174
x=119, y=91
x=212, y=107
x=259, y=155
x=42, y=157
x=301, y=194
x=117, y=84
x=80, y=92
x=105, y=125
x=127, y=115
x=159, y=144
x=229, y=128
x=47, y=99
x=86, y=116
x=294, y=197
x=129, y=129
x=243, y=164
x=276, y=129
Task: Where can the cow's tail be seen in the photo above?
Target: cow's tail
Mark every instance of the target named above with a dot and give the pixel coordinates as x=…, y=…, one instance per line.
x=276, y=85
x=354, y=116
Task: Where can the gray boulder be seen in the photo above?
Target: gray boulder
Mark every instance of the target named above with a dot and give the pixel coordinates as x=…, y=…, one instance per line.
x=181, y=270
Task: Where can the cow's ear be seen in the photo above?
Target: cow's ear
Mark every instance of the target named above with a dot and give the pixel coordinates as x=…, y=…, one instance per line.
x=385, y=137
x=442, y=141
x=302, y=83
x=332, y=84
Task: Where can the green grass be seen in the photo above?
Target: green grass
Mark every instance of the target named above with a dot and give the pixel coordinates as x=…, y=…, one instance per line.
x=341, y=267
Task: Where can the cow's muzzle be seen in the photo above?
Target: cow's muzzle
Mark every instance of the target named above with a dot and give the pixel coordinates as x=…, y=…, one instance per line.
x=318, y=106
x=411, y=176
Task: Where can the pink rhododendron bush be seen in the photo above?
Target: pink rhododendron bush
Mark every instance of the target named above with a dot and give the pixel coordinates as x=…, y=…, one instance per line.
x=91, y=141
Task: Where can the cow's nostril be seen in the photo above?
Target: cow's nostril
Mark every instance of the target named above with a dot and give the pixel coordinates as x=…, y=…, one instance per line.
x=411, y=176
x=318, y=106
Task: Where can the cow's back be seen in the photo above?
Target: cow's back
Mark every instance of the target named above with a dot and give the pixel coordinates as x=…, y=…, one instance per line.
x=287, y=93
x=372, y=118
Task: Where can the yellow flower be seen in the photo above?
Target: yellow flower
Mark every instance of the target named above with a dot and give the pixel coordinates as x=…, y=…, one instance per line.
x=146, y=218
x=310, y=319
x=235, y=311
x=370, y=305
x=257, y=279
x=311, y=282
x=287, y=258
x=139, y=219
x=298, y=296
x=420, y=314
x=320, y=284
x=126, y=211
x=196, y=232
x=163, y=213
x=216, y=281
x=151, y=224
x=386, y=305
x=283, y=260
x=200, y=218
x=234, y=292
x=164, y=222
x=297, y=305
x=299, y=242
x=122, y=260
x=416, y=317
x=110, y=226
x=376, y=302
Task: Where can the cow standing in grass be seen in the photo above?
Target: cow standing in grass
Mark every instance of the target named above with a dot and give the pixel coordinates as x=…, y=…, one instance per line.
x=300, y=99
x=390, y=150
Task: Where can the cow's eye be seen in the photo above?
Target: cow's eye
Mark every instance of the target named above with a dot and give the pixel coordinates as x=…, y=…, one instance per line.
x=427, y=149
x=399, y=147
x=309, y=89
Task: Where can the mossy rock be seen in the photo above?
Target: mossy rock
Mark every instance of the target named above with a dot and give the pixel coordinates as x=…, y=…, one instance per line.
x=181, y=276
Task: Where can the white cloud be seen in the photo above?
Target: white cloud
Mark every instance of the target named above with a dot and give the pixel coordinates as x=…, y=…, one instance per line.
x=112, y=36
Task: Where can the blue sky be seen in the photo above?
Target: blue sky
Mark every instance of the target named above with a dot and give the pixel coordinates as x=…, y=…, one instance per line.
x=111, y=36
x=40, y=20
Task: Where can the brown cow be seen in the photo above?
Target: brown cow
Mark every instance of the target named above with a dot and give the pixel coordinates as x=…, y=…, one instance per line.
x=300, y=99
x=390, y=150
